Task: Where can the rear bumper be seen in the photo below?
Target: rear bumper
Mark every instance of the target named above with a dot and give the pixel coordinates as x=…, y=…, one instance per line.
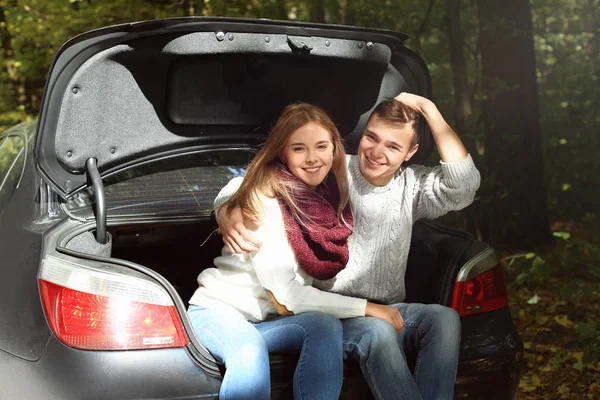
x=491, y=357
x=66, y=373
x=492, y=378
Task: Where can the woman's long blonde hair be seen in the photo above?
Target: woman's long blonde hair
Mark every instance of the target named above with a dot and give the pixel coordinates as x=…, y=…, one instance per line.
x=261, y=174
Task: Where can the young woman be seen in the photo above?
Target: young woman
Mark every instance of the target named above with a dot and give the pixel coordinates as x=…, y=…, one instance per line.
x=296, y=187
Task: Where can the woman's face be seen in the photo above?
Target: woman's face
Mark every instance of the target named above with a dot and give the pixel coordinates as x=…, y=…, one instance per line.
x=308, y=154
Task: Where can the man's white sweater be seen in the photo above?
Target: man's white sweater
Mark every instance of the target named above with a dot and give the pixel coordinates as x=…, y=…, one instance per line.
x=383, y=219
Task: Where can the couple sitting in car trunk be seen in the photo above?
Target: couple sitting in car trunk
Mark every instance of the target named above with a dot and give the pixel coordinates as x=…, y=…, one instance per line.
x=316, y=252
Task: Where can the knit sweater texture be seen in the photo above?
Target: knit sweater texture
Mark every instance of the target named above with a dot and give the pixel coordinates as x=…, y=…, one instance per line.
x=383, y=220
x=239, y=281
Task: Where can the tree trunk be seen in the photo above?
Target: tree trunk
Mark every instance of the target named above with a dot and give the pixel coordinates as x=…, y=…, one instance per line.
x=462, y=99
x=463, y=111
x=517, y=215
x=317, y=11
x=594, y=42
x=9, y=62
x=347, y=11
x=417, y=36
x=188, y=7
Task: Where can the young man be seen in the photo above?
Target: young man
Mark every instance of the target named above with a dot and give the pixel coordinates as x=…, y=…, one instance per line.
x=386, y=200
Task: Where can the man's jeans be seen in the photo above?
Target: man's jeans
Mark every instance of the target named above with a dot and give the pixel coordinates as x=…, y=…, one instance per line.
x=430, y=331
x=244, y=349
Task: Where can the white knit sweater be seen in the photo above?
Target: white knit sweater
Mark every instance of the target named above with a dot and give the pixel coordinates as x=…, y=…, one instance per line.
x=239, y=280
x=383, y=219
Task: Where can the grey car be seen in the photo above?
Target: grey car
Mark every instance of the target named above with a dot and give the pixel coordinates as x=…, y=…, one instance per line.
x=106, y=204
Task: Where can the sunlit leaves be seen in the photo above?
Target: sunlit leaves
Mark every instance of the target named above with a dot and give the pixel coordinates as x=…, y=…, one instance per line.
x=533, y=300
x=563, y=320
x=562, y=235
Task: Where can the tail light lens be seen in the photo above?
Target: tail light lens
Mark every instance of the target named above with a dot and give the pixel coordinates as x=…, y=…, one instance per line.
x=94, y=310
x=483, y=292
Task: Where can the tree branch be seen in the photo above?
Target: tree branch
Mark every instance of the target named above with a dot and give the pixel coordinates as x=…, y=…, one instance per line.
x=421, y=29
x=423, y=26
x=33, y=11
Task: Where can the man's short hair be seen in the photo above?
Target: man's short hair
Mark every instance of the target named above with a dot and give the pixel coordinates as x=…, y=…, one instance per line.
x=397, y=113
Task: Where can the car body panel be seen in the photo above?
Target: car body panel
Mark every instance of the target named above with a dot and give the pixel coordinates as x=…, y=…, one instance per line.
x=24, y=330
x=64, y=373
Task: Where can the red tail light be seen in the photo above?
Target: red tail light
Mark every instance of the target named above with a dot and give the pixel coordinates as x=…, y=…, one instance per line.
x=481, y=293
x=96, y=311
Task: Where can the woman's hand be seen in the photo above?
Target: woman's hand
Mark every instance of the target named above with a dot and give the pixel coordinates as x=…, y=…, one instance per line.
x=388, y=313
x=280, y=308
x=235, y=234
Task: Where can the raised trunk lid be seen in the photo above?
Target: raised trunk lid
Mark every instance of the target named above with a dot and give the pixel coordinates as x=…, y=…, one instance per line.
x=137, y=92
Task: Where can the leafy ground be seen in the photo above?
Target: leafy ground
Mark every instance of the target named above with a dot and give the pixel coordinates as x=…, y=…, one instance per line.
x=555, y=302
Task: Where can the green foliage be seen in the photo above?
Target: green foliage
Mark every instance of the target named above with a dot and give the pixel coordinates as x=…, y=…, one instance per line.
x=39, y=28
x=562, y=235
x=568, y=66
x=11, y=118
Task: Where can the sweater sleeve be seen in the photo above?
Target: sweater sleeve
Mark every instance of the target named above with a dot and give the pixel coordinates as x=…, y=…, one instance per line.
x=276, y=268
x=448, y=187
x=227, y=191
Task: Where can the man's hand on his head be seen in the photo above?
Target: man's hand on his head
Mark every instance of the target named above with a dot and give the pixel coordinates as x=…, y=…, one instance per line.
x=416, y=102
x=235, y=234
x=449, y=145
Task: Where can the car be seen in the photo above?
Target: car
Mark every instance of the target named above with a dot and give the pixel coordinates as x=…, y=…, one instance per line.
x=106, y=204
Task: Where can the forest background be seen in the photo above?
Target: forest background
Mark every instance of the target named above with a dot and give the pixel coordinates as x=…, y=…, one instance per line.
x=517, y=79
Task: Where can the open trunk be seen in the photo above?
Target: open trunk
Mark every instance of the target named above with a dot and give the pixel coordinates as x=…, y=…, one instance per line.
x=180, y=250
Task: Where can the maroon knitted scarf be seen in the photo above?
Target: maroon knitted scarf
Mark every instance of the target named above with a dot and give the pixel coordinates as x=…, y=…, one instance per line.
x=320, y=246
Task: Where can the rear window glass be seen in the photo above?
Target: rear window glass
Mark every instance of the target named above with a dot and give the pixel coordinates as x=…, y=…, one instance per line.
x=182, y=186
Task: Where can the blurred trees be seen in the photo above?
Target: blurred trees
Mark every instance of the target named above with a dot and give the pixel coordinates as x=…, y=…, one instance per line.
x=517, y=213
x=460, y=40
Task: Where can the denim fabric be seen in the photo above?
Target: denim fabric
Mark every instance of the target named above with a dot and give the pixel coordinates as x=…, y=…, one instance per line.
x=243, y=347
x=430, y=331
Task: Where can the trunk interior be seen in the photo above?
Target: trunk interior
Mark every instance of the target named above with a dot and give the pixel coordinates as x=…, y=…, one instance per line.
x=177, y=251
x=180, y=251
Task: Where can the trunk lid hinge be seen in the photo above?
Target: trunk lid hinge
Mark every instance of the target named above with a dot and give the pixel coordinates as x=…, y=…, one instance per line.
x=94, y=176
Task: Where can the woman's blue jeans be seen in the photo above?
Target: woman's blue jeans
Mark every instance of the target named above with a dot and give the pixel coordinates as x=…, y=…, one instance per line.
x=244, y=348
x=431, y=331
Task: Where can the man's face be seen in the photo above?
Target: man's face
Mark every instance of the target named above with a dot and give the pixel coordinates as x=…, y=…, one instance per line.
x=382, y=150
